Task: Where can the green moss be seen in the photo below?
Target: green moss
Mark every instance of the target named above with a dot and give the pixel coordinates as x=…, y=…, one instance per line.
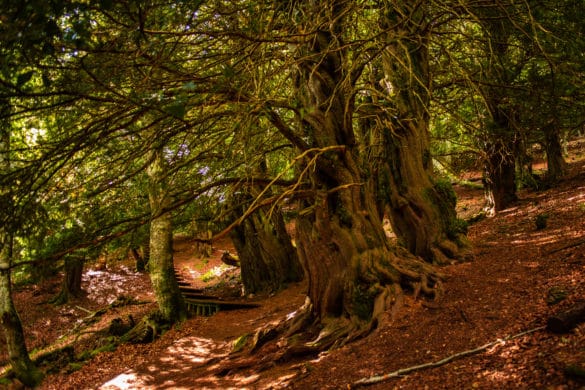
x=208, y=276
x=240, y=342
x=456, y=227
x=106, y=348
x=110, y=345
x=74, y=366
x=445, y=191
x=363, y=302
x=555, y=295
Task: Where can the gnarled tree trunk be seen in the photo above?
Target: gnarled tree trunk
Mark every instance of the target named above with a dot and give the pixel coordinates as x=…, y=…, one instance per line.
x=268, y=259
x=500, y=135
x=499, y=176
x=353, y=272
x=161, y=268
x=421, y=210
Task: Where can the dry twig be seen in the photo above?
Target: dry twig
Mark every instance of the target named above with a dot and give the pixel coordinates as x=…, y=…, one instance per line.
x=380, y=378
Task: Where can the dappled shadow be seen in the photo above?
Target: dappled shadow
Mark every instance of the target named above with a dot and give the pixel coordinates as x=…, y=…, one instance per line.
x=516, y=226
x=103, y=287
x=173, y=366
x=193, y=363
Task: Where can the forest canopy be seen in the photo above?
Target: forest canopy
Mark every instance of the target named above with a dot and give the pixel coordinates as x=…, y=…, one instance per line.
x=125, y=122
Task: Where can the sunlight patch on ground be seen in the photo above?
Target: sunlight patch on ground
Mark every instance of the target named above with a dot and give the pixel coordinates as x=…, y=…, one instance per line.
x=547, y=236
x=216, y=272
x=105, y=286
x=242, y=380
x=500, y=378
x=577, y=197
x=282, y=381
x=193, y=350
x=126, y=381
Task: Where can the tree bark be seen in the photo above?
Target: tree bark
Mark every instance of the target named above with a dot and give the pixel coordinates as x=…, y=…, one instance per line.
x=421, y=209
x=353, y=272
x=18, y=355
x=72, y=275
x=161, y=268
x=499, y=176
x=556, y=164
x=268, y=259
x=23, y=367
x=500, y=136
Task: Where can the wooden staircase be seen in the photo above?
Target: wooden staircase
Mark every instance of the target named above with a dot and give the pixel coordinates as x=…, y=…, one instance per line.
x=201, y=304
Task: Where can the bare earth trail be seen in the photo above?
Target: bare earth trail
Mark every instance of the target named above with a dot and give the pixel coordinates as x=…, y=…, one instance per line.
x=508, y=288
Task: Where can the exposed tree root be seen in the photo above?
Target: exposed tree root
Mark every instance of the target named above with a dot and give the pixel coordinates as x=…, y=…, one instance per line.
x=381, y=275
x=394, y=374
x=147, y=329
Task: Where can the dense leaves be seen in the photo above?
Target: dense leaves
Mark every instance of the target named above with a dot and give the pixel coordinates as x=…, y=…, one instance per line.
x=340, y=112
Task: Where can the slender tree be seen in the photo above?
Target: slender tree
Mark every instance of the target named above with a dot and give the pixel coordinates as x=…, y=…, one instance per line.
x=18, y=355
x=161, y=269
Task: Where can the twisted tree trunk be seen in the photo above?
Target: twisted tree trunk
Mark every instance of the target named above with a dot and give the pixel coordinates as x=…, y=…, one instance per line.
x=267, y=257
x=421, y=209
x=354, y=274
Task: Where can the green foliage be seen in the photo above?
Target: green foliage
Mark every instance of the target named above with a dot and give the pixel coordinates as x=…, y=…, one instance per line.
x=239, y=343
x=456, y=227
x=555, y=295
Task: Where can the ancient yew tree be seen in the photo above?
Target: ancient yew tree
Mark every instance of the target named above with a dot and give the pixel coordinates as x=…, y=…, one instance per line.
x=354, y=273
x=420, y=207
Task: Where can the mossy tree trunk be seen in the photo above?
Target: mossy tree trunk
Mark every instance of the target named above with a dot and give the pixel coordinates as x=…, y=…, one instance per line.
x=500, y=136
x=421, y=209
x=353, y=272
x=22, y=366
x=556, y=164
x=72, y=275
x=161, y=268
x=499, y=176
x=18, y=355
x=268, y=259
x=141, y=252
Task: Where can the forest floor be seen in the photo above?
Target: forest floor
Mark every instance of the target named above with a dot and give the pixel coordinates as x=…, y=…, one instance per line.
x=518, y=278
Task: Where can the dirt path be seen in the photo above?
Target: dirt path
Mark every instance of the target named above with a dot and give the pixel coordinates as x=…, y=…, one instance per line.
x=503, y=291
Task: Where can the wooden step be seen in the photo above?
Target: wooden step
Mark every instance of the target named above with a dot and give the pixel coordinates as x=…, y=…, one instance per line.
x=196, y=295
x=207, y=307
x=187, y=289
